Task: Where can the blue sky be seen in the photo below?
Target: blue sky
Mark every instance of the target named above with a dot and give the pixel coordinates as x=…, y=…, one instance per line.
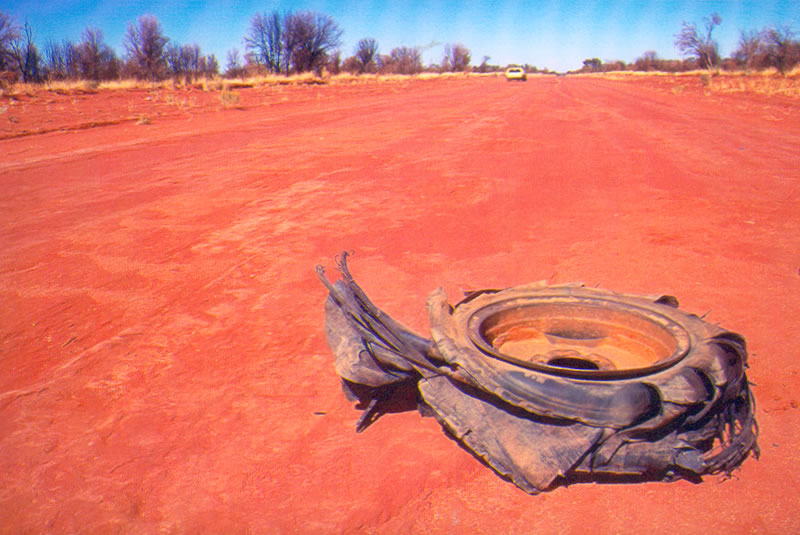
x=556, y=35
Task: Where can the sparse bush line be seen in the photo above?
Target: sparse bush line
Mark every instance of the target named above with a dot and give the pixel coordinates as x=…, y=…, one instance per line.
x=767, y=82
x=221, y=84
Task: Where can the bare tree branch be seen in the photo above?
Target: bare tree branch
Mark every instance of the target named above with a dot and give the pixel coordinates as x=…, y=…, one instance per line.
x=145, y=45
x=26, y=55
x=96, y=59
x=781, y=51
x=9, y=34
x=402, y=60
x=308, y=38
x=264, y=41
x=703, y=49
x=456, y=58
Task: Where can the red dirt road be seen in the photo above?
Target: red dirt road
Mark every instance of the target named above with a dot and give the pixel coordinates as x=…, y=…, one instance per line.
x=164, y=366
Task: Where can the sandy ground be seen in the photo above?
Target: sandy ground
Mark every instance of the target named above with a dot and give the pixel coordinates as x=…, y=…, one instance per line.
x=164, y=366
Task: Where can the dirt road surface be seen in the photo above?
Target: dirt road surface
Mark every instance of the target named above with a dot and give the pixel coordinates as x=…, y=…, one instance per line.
x=164, y=366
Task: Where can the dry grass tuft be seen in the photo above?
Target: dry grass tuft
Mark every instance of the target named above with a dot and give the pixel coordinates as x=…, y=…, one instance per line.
x=73, y=87
x=229, y=99
x=123, y=85
x=769, y=83
x=227, y=85
x=182, y=104
x=78, y=87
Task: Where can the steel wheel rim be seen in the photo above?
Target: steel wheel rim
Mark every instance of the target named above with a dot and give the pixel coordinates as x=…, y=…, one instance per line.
x=586, y=338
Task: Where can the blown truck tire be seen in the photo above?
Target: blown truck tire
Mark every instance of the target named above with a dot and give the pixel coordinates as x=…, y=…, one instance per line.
x=553, y=384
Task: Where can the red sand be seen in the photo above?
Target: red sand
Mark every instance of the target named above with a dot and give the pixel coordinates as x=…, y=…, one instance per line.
x=164, y=366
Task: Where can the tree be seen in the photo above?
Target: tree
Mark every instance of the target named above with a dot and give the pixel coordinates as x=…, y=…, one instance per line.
x=72, y=59
x=264, y=41
x=9, y=34
x=188, y=62
x=353, y=65
x=592, y=65
x=209, y=65
x=703, y=49
x=234, y=66
x=781, y=51
x=647, y=62
x=145, y=45
x=335, y=62
x=456, y=58
x=300, y=41
x=61, y=60
x=365, y=53
x=96, y=60
x=404, y=60
x=26, y=55
x=407, y=59
x=193, y=59
x=308, y=37
x=484, y=67
x=290, y=40
x=177, y=63
x=750, y=50
x=614, y=65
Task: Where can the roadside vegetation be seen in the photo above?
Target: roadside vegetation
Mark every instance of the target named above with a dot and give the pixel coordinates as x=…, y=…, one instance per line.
x=771, y=49
x=289, y=48
x=766, y=61
x=305, y=47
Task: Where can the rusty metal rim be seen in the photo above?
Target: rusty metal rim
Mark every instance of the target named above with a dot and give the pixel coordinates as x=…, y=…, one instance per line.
x=673, y=328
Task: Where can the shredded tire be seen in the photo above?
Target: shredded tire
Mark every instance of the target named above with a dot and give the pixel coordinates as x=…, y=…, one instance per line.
x=556, y=384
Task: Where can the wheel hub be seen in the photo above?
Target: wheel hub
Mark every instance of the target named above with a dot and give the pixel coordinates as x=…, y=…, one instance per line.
x=577, y=338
